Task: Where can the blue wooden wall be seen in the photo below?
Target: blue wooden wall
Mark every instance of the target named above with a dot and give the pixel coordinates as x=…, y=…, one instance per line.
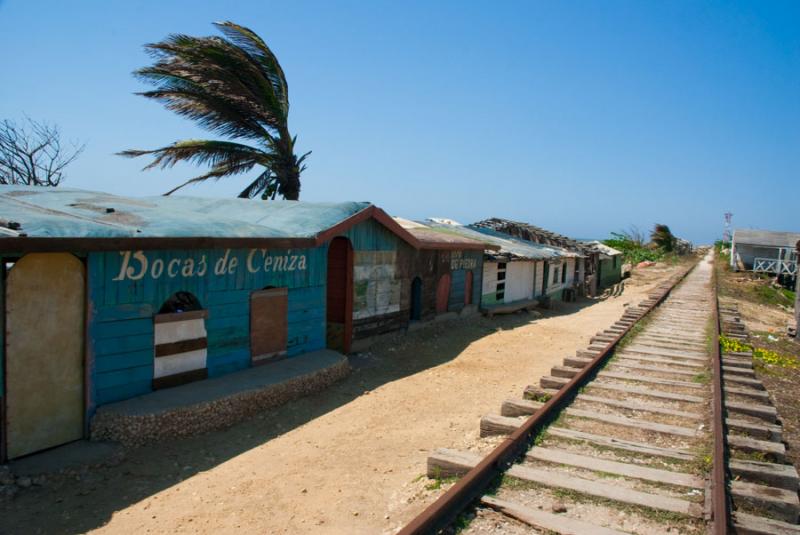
x=121, y=311
x=372, y=236
x=124, y=297
x=458, y=282
x=121, y=314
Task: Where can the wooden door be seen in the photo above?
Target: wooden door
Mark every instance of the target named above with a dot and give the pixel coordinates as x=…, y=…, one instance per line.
x=339, y=302
x=519, y=281
x=269, y=310
x=442, y=293
x=45, y=317
x=468, y=288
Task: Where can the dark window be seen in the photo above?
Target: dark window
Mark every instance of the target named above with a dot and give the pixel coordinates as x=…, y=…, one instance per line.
x=180, y=302
x=501, y=265
x=501, y=275
x=564, y=274
x=501, y=286
x=500, y=295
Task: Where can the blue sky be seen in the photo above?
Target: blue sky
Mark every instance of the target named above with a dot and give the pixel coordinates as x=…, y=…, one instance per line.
x=581, y=117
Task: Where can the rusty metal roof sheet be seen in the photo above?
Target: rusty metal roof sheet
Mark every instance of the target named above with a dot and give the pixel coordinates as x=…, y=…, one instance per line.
x=505, y=248
x=439, y=237
x=534, y=234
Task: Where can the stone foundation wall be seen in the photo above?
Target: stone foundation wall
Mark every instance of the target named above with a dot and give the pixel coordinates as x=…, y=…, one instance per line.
x=134, y=430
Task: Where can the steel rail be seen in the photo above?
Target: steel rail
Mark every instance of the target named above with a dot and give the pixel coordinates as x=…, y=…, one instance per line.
x=720, y=516
x=466, y=490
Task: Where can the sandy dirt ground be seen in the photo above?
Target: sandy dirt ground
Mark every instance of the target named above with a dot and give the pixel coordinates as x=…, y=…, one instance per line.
x=350, y=459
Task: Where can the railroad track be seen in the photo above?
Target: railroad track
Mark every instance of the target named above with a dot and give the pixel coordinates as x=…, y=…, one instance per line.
x=763, y=488
x=631, y=436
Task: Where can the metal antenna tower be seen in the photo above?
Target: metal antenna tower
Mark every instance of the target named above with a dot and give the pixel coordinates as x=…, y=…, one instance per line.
x=726, y=235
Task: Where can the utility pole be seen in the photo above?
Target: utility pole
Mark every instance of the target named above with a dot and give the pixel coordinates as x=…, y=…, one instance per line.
x=797, y=291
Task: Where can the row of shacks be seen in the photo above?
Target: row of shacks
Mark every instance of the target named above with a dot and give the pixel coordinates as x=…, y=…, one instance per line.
x=105, y=298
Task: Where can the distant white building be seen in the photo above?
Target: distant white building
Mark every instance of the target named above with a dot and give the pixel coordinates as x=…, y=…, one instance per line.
x=764, y=251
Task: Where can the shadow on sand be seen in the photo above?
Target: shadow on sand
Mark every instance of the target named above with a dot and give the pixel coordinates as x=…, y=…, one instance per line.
x=87, y=500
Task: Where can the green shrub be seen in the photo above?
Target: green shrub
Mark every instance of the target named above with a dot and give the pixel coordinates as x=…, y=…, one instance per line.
x=633, y=251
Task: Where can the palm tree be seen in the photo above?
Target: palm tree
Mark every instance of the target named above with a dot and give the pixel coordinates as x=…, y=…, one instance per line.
x=235, y=87
x=662, y=237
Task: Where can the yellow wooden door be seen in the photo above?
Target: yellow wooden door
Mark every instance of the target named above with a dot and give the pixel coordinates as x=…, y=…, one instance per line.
x=44, y=352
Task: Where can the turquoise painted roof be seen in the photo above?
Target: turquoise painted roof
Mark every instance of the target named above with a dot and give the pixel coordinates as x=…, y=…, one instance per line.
x=74, y=213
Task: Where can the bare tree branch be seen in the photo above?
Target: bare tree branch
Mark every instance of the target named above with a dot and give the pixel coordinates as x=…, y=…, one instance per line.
x=32, y=153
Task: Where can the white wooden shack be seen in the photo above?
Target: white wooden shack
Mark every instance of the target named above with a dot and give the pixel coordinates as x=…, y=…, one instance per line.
x=583, y=264
x=764, y=251
x=517, y=273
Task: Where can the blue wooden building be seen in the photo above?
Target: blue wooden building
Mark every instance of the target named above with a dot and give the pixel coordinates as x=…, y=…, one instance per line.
x=105, y=297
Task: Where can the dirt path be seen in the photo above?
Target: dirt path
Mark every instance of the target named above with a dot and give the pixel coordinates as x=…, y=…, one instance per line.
x=348, y=460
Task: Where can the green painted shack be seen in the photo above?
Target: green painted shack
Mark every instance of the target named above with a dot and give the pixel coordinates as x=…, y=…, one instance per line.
x=609, y=264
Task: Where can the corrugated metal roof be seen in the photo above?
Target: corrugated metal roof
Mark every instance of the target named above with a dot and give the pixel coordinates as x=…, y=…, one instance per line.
x=603, y=248
x=766, y=238
x=534, y=234
x=438, y=237
x=73, y=213
x=408, y=223
x=509, y=248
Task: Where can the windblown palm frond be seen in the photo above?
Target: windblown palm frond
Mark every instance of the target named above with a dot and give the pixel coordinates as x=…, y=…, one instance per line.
x=662, y=237
x=234, y=87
